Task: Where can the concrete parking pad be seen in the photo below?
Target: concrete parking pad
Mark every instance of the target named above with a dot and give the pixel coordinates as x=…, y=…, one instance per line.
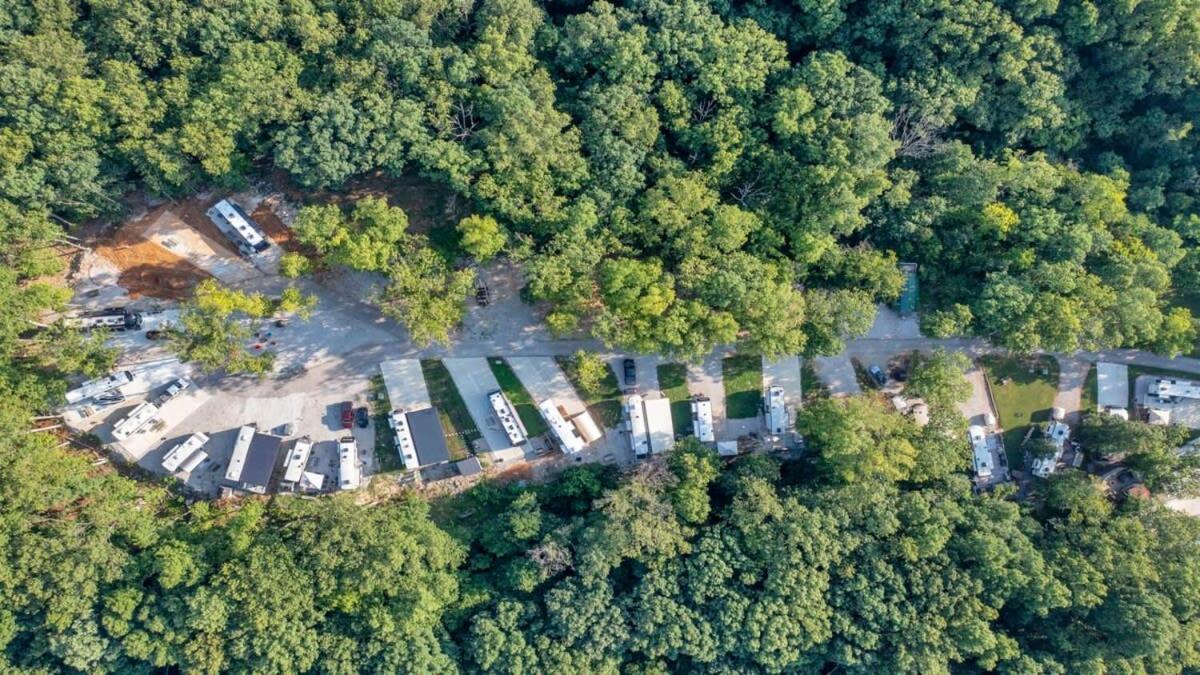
x=545, y=380
x=785, y=372
x=707, y=379
x=475, y=381
x=647, y=372
x=838, y=375
x=1112, y=385
x=405, y=384
x=891, y=326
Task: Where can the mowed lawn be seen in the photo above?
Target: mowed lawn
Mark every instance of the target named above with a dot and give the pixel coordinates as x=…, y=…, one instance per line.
x=1024, y=396
x=517, y=395
x=672, y=379
x=742, y=375
x=456, y=420
x=604, y=405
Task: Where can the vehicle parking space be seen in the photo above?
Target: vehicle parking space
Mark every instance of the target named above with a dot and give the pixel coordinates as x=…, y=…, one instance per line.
x=707, y=379
x=171, y=416
x=405, y=384
x=837, y=373
x=475, y=381
x=171, y=233
x=1112, y=385
x=545, y=380
x=645, y=373
x=978, y=407
x=785, y=372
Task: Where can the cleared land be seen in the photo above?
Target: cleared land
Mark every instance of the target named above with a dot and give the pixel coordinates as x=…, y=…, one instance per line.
x=460, y=429
x=605, y=404
x=742, y=375
x=145, y=268
x=518, y=396
x=1024, y=391
x=672, y=380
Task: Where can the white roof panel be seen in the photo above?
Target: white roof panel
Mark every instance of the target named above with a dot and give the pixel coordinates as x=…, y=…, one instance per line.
x=659, y=425
x=349, y=477
x=777, y=422
x=137, y=419
x=175, y=458
x=635, y=424
x=297, y=460
x=240, y=448
x=509, y=420
x=563, y=430
x=702, y=421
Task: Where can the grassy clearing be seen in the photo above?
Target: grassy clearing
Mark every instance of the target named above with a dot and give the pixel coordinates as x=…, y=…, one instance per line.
x=456, y=420
x=672, y=379
x=517, y=394
x=386, y=456
x=742, y=375
x=1024, y=390
x=604, y=405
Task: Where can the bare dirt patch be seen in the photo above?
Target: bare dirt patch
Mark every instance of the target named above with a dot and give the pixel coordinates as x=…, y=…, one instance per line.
x=147, y=269
x=272, y=225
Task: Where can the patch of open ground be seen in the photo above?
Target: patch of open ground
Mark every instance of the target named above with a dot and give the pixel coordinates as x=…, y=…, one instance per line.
x=837, y=374
x=604, y=404
x=146, y=269
x=460, y=429
x=272, y=225
x=743, y=379
x=518, y=396
x=672, y=380
x=1024, y=390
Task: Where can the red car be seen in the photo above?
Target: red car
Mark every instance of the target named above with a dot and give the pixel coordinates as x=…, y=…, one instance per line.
x=347, y=415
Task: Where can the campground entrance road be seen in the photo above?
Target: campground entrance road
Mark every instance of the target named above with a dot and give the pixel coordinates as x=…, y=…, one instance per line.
x=362, y=337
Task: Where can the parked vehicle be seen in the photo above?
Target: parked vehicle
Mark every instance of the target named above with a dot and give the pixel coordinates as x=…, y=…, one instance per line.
x=347, y=415
x=174, y=389
x=630, y=369
x=111, y=397
x=877, y=373
x=361, y=417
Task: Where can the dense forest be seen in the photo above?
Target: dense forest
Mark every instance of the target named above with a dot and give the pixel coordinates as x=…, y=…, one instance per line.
x=1035, y=157
x=672, y=175
x=758, y=567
